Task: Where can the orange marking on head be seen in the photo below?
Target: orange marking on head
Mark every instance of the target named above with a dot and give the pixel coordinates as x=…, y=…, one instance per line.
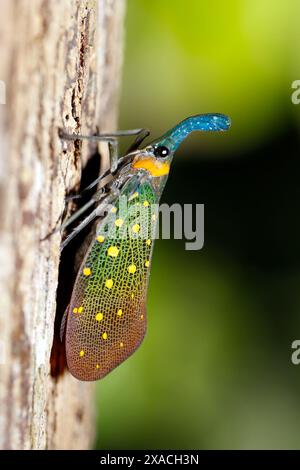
x=155, y=167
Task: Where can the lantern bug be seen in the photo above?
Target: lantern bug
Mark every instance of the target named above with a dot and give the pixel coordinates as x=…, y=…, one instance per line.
x=105, y=321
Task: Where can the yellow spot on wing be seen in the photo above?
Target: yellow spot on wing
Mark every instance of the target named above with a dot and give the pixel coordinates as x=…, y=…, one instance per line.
x=113, y=210
x=131, y=268
x=132, y=295
x=80, y=309
x=81, y=354
x=142, y=316
x=153, y=217
x=134, y=195
x=119, y=312
x=104, y=336
x=119, y=222
x=97, y=366
x=113, y=251
x=109, y=283
x=100, y=238
x=87, y=271
x=147, y=264
x=99, y=316
x=75, y=310
x=136, y=228
x=148, y=242
x=121, y=344
x=146, y=203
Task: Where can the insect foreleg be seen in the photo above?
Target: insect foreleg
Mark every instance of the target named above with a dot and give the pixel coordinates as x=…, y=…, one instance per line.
x=72, y=218
x=112, y=140
x=113, y=154
x=103, y=178
x=100, y=137
x=139, y=139
x=76, y=214
x=97, y=212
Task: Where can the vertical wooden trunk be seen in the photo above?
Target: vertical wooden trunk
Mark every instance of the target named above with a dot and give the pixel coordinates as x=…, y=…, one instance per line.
x=60, y=63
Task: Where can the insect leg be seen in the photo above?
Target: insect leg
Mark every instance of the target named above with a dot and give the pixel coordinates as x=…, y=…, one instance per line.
x=99, y=137
x=111, y=139
x=139, y=139
x=80, y=227
x=113, y=148
x=96, y=181
x=90, y=186
x=113, y=154
x=76, y=214
x=99, y=210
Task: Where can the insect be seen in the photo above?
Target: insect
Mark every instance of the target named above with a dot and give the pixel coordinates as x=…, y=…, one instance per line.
x=106, y=320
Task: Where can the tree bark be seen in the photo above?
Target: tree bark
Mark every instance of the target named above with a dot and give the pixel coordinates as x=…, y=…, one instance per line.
x=60, y=62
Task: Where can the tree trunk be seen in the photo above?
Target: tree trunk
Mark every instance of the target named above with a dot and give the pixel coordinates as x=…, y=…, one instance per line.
x=60, y=64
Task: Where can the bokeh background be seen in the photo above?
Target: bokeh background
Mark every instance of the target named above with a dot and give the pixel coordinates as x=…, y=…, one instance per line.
x=214, y=370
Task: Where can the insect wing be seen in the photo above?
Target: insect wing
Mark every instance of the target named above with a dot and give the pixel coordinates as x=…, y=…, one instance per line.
x=107, y=315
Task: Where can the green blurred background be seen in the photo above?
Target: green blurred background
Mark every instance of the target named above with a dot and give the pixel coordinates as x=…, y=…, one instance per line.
x=214, y=370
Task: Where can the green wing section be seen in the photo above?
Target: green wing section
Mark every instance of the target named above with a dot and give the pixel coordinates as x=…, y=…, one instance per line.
x=107, y=315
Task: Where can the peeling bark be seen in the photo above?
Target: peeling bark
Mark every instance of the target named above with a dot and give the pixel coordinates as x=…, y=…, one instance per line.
x=60, y=61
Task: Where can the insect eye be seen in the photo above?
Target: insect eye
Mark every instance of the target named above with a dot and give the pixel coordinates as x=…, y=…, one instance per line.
x=161, y=151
